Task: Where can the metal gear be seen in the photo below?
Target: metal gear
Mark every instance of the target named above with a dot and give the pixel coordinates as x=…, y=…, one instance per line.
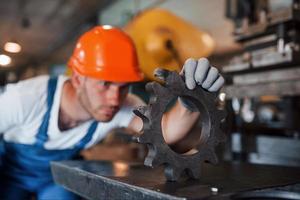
x=158, y=151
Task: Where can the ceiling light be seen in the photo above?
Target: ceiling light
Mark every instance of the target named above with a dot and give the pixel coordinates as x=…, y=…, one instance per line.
x=4, y=60
x=12, y=47
x=106, y=27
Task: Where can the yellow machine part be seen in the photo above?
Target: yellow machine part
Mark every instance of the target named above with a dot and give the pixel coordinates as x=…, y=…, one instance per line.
x=165, y=40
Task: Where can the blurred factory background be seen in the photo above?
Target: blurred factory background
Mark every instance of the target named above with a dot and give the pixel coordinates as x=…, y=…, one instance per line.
x=47, y=30
x=254, y=43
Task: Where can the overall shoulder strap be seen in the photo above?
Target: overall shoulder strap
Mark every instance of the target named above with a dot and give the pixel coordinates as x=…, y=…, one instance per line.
x=42, y=135
x=88, y=137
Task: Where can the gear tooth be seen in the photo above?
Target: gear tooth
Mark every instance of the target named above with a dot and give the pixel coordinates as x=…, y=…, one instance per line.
x=160, y=91
x=154, y=88
x=148, y=161
x=149, y=87
x=208, y=154
x=140, y=112
x=153, y=99
x=161, y=74
x=221, y=114
x=172, y=174
x=153, y=161
x=135, y=139
x=150, y=156
x=211, y=157
x=156, y=161
x=142, y=139
x=194, y=172
x=142, y=109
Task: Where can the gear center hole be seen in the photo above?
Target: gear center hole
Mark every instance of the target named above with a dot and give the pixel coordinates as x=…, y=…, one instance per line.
x=192, y=129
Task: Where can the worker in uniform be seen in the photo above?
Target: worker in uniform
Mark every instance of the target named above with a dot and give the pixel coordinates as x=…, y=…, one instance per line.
x=46, y=119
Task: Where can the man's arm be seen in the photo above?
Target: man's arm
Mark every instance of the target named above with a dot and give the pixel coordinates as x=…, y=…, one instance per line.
x=177, y=123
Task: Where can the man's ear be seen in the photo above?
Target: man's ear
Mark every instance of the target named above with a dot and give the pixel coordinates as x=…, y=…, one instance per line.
x=76, y=79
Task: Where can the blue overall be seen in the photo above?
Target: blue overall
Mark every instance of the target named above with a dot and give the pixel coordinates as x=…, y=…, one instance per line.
x=26, y=168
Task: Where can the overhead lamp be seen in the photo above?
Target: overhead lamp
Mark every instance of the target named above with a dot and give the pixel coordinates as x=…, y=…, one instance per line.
x=107, y=27
x=12, y=47
x=4, y=60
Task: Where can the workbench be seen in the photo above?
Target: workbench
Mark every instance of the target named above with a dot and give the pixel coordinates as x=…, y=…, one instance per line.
x=121, y=180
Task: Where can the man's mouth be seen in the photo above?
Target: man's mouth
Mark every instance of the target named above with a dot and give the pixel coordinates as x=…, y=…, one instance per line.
x=110, y=110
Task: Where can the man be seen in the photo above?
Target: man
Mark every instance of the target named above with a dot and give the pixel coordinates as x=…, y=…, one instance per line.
x=45, y=119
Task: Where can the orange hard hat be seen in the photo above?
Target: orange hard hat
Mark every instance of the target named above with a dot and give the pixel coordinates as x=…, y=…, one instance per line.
x=106, y=53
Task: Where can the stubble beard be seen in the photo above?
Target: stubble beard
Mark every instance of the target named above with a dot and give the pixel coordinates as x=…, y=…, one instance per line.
x=101, y=113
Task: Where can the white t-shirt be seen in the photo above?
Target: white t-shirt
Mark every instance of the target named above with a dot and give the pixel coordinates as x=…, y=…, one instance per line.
x=24, y=104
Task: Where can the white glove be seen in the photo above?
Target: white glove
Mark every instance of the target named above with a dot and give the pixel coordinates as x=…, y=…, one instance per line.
x=200, y=72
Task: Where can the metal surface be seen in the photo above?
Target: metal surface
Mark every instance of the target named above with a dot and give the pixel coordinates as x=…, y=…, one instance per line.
x=284, y=88
x=276, y=75
x=116, y=180
x=259, y=149
x=291, y=192
x=159, y=152
x=283, y=81
x=269, y=37
x=274, y=18
x=267, y=58
x=256, y=18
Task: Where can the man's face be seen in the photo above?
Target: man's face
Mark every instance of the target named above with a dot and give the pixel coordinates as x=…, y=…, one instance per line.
x=102, y=99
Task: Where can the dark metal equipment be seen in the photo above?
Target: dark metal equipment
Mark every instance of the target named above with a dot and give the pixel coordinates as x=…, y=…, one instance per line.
x=269, y=62
x=159, y=152
x=263, y=80
x=268, y=31
x=227, y=181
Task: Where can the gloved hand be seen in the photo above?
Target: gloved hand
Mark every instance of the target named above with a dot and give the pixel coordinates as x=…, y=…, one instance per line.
x=200, y=73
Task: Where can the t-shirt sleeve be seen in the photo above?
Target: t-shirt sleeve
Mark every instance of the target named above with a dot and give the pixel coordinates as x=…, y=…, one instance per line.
x=126, y=113
x=10, y=109
x=125, y=117
x=21, y=100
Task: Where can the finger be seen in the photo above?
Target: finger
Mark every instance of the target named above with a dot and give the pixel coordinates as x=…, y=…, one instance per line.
x=217, y=84
x=201, y=70
x=189, y=71
x=212, y=75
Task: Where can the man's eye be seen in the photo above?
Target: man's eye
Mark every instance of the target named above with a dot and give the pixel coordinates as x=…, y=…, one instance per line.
x=104, y=83
x=125, y=86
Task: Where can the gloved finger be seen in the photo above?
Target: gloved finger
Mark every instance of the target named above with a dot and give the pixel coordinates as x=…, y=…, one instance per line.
x=217, y=84
x=212, y=75
x=189, y=68
x=201, y=70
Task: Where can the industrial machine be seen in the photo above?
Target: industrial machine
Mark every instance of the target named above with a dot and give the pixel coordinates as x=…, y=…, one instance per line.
x=161, y=40
x=263, y=82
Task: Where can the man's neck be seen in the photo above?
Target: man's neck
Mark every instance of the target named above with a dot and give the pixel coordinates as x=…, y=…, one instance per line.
x=71, y=113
